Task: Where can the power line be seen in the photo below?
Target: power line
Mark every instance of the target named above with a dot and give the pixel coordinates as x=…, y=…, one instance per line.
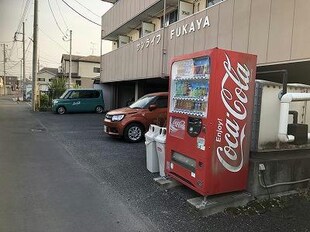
x=24, y=15
x=6, y=41
x=62, y=15
x=21, y=12
x=53, y=40
x=48, y=60
x=9, y=68
x=87, y=8
x=49, y=4
x=81, y=14
x=17, y=62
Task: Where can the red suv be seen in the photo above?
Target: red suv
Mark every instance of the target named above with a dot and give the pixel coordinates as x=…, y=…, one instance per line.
x=132, y=122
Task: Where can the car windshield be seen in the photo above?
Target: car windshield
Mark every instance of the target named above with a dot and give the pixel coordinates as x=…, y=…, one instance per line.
x=64, y=94
x=142, y=102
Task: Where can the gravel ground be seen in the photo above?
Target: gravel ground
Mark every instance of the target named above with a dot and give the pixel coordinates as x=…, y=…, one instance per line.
x=122, y=166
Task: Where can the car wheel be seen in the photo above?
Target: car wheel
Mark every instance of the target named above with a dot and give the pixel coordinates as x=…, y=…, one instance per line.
x=61, y=110
x=99, y=109
x=133, y=133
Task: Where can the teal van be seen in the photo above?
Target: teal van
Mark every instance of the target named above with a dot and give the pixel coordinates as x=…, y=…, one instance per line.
x=79, y=100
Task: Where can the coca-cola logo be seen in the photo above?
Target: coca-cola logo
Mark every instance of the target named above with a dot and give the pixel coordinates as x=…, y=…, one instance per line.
x=177, y=124
x=234, y=88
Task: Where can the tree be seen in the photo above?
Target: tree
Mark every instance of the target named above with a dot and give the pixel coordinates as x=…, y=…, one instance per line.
x=57, y=87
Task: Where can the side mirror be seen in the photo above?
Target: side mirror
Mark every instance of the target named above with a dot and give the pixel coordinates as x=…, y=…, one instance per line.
x=152, y=107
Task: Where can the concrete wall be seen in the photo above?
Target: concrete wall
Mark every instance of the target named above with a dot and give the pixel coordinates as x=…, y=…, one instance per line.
x=128, y=63
x=121, y=12
x=86, y=69
x=43, y=85
x=276, y=30
x=86, y=82
x=74, y=66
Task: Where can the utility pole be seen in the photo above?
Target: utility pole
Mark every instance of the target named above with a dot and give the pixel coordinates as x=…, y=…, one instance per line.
x=70, y=59
x=4, y=73
x=23, y=69
x=35, y=56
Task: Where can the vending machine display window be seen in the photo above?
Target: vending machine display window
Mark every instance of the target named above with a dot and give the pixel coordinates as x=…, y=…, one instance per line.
x=190, y=86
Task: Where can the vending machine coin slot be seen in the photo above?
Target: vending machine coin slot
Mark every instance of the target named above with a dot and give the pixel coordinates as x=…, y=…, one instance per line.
x=194, y=126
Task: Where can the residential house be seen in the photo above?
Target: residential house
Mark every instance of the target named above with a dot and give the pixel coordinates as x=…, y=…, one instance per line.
x=45, y=76
x=83, y=69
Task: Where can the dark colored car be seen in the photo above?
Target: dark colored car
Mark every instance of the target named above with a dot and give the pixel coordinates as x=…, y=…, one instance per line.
x=79, y=100
x=132, y=122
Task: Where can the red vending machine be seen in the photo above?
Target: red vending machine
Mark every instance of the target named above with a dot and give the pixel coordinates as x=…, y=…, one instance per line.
x=209, y=120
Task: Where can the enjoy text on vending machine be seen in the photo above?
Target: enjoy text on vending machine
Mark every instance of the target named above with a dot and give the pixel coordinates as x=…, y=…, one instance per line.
x=209, y=120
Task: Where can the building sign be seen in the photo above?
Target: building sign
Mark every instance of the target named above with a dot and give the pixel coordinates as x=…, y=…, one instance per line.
x=186, y=9
x=190, y=27
x=185, y=29
x=148, y=42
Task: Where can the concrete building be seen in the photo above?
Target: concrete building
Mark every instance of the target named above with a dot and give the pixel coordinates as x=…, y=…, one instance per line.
x=144, y=40
x=83, y=69
x=45, y=76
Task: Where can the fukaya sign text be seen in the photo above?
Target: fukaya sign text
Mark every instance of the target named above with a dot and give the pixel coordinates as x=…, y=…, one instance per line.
x=185, y=29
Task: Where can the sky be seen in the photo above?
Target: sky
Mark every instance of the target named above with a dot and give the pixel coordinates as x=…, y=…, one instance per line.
x=51, y=32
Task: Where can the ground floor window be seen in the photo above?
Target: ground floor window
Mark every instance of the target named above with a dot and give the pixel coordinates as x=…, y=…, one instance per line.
x=78, y=82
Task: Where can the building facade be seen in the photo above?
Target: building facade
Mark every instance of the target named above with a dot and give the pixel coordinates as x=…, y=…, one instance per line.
x=83, y=69
x=45, y=77
x=11, y=82
x=144, y=41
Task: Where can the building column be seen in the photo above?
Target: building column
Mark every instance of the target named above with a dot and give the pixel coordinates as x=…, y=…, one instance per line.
x=136, y=90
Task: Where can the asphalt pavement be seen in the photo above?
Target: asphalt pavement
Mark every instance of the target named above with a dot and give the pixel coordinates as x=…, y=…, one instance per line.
x=62, y=173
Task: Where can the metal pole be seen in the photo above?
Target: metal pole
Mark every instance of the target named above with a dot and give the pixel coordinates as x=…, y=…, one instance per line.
x=24, y=63
x=70, y=59
x=4, y=77
x=35, y=56
x=163, y=62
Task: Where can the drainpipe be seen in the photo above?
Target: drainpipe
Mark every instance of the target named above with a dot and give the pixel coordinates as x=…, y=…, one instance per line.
x=164, y=52
x=284, y=114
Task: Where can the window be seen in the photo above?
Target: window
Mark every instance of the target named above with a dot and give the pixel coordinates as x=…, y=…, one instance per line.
x=213, y=2
x=170, y=18
x=89, y=94
x=162, y=102
x=173, y=16
x=78, y=82
x=96, y=94
x=96, y=70
x=41, y=79
x=74, y=95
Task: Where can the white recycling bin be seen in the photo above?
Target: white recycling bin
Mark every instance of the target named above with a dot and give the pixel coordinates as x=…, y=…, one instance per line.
x=160, y=148
x=151, y=154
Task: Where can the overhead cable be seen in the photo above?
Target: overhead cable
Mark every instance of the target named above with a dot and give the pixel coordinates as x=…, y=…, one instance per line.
x=62, y=15
x=22, y=19
x=49, y=4
x=87, y=8
x=53, y=40
x=80, y=14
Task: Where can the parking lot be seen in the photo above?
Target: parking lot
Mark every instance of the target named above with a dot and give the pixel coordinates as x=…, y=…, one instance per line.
x=120, y=167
